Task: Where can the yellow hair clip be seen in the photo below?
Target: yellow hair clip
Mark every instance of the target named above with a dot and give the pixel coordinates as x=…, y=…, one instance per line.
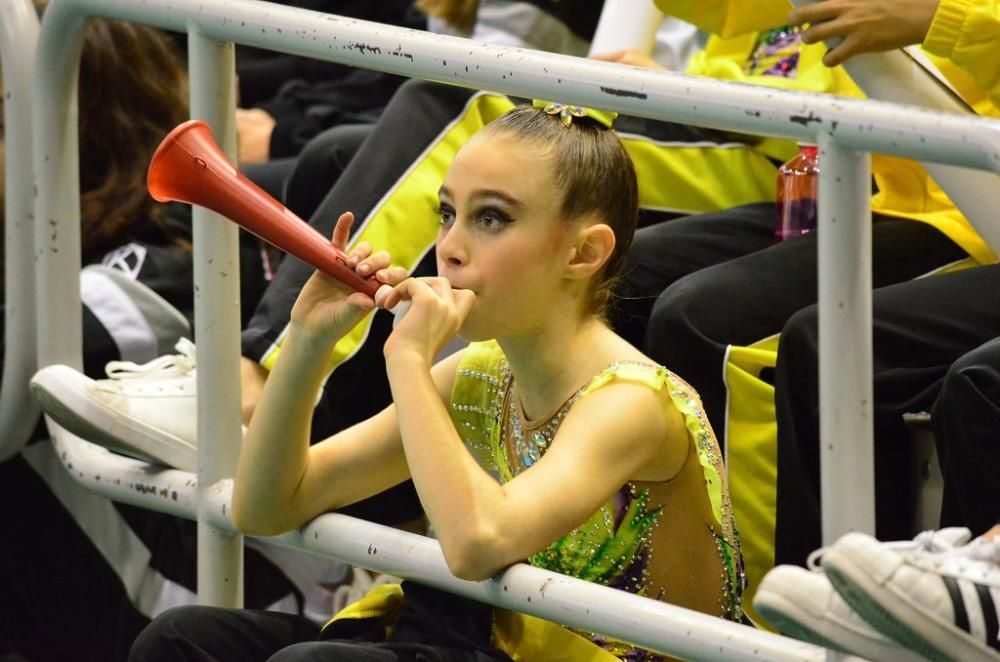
x=567, y=112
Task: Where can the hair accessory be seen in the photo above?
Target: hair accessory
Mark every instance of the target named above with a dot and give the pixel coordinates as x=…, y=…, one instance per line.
x=567, y=112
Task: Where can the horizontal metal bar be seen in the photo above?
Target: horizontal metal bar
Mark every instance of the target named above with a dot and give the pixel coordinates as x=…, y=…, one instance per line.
x=124, y=479
x=574, y=602
x=858, y=124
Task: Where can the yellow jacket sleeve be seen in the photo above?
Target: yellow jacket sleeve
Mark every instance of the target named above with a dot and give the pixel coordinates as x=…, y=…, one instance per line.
x=967, y=32
x=728, y=18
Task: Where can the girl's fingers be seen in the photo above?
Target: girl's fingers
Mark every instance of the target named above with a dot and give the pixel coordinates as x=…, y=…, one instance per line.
x=359, y=253
x=398, y=293
x=414, y=288
x=613, y=56
x=463, y=302
x=440, y=286
x=362, y=302
x=818, y=32
x=342, y=230
x=392, y=275
x=844, y=51
x=373, y=262
x=814, y=13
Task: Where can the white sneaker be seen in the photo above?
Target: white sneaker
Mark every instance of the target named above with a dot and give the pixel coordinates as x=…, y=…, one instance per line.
x=940, y=605
x=803, y=603
x=147, y=411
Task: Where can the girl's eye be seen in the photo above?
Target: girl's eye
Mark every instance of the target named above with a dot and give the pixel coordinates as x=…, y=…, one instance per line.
x=493, y=219
x=446, y=214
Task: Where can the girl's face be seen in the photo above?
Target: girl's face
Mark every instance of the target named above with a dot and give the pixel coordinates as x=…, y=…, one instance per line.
x=502, y=235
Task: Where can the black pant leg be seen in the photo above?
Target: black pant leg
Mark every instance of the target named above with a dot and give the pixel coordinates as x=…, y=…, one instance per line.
x=734, y=302
x=59, y=598
x=213, y=634
x=920, y=328
x=271, y=175
x=339, y=651
x=966, y=420
x=750, y=298
x=663, y=253
x=320, y=164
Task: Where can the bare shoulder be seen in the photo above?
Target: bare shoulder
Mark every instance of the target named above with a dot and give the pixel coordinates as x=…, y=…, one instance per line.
x=631, y=414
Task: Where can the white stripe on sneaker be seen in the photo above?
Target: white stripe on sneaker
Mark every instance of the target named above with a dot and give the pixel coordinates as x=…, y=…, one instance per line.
x=995, y=594
x=977, y=625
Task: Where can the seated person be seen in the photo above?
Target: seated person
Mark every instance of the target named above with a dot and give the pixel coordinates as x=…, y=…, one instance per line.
x=546, y=401
x=81, y=576
x=920, y=328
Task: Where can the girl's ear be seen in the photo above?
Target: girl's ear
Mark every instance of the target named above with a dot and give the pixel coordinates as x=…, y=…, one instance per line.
x=592, y=249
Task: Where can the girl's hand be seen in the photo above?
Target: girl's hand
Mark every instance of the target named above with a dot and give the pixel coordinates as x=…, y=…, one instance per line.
x=326, y=307
x=629, y=56
x=436, y=314
x=865, y=26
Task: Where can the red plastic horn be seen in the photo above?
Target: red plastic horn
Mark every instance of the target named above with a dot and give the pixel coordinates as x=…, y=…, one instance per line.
x=188, y=166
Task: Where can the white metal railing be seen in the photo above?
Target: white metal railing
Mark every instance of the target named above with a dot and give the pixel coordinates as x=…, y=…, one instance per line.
x=845, y=129
x=18, y=411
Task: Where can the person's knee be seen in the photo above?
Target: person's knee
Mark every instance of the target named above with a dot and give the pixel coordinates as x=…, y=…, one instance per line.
x=799, y=343
x=672, y=311
x=335, y=146
x=968, y=377
x=153, y=640
x=321, y=651
x=675, y=321
x=308, y=651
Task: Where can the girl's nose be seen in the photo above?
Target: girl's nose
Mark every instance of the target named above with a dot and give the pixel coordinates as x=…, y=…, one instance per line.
x=451, y=245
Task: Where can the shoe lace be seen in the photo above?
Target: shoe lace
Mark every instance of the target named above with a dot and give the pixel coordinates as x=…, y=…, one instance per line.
x=941, y=540
x=979, y=549
x=183, y=363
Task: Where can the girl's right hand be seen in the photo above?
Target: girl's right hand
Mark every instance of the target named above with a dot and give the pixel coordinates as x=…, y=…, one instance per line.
x=326, y=307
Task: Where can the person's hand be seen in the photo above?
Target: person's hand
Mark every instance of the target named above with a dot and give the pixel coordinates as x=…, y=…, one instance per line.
x=631, y=57
x=436, y=314
x=864, y=26
x=253, y=135
x=326, y=307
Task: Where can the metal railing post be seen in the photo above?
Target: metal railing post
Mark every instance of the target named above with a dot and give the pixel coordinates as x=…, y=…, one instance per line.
x=217, y=328
x=56, y=166
x=18, y=411
x=845, y=350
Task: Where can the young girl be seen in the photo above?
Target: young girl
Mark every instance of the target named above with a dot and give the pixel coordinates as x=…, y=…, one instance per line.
x=549, y=439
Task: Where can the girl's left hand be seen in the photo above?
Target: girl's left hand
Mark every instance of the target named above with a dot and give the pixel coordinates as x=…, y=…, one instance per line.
x=436, y=314
x=631, y=57
x=865, y=26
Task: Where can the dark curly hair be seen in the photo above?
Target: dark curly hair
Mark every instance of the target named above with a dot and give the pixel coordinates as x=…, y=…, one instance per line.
x=132, y=92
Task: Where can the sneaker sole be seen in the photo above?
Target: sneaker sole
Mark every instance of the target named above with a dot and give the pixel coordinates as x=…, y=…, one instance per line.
x=778, y=610
x=114, y=431
x=934, y=638
x=778, y=617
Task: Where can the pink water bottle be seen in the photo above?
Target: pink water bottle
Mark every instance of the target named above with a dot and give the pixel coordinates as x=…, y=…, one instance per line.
x=798, y=186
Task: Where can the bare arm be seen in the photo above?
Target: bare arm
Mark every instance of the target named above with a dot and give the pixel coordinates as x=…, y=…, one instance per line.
x=484, y=526
x=281, y=482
